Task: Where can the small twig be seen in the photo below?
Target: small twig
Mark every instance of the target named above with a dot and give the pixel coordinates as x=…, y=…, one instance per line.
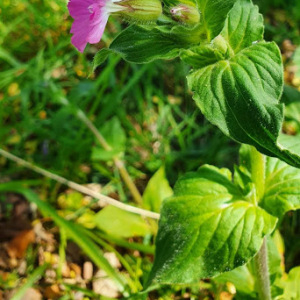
x=80, y=188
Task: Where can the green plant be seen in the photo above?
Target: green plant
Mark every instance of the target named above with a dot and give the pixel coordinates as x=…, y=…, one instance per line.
x=216, y=222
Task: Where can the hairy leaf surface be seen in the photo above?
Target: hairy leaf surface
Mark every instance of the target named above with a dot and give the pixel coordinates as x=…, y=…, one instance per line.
x=144, y=44
x=240, y=92
x=213, y=15
x=206, y=230
x=282, y=187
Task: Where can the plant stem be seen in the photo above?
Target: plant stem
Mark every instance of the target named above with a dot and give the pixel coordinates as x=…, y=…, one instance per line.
x=262, y=273
x=80, y=188
x=258, y=164
x=118, y=163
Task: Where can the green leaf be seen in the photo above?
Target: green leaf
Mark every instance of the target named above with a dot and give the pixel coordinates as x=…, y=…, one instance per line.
x=242, y=279
x=121, y=223
x=290, y=95
x=74, y=231
x=291, y=286
x=157, y=190
x=115, y=137
x=243, y=26
x=70, y=201
x=143, y=44
x=282, y=187
x=100, y=58
x=296, y=59
x=204, y=230
x=200, y=57
x=240, y=93
x=274, y=260
x=291, y=99
x=208, y=180
x=213, y=15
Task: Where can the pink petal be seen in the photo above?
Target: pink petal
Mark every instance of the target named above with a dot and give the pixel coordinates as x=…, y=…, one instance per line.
x=90, y=18
x=96, y=32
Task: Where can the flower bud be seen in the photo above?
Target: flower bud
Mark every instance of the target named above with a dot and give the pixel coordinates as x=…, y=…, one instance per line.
x=141, y=10
x=186, y=14
x=221, y=45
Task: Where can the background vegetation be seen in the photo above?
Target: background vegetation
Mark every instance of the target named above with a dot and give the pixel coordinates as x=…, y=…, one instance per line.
x=151, y=123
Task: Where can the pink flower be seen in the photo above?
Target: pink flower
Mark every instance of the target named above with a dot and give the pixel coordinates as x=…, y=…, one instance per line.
x=90, y=18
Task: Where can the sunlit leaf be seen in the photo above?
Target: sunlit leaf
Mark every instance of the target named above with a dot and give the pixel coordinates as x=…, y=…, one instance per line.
x=121, y=223
x=204, y=230
x=115, y=137
x=240, y=93
x=157, y=190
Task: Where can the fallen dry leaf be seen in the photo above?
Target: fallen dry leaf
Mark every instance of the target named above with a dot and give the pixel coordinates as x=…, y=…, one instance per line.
x=52, y=292
x=17, y=247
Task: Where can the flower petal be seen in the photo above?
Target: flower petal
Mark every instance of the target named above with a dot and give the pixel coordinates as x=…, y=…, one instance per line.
x=90, y=18
x=97, y=30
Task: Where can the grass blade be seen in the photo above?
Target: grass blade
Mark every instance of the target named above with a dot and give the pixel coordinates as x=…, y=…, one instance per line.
x=34, y=277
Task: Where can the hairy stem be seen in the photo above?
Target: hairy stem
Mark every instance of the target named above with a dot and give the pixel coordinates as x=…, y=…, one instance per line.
x=258, y=164
x=262, y=272
x=80, y=188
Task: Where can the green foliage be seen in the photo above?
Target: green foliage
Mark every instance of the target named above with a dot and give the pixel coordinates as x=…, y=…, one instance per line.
x=296, y=59
x=240, y=93
x=150, y=121
x=139, y=44
x=282, y=187
x=213, y=15
x=227, y=221
x=243, y=26
x=121, y=223
x=244, y=277
x=157, y=190
x=115, y=137
x=237, y=78
x=207, y=228
x=291, y=285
